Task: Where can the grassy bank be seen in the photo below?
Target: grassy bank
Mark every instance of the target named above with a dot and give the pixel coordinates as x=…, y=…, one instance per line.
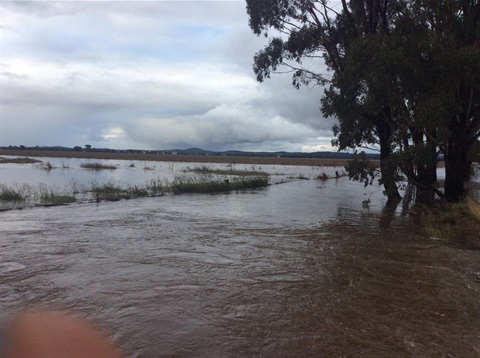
x=453, y=222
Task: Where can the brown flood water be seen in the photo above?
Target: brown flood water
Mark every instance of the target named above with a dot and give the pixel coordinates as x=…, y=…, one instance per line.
x=230, y=276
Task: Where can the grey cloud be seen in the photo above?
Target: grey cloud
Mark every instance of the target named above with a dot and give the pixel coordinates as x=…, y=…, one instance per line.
x=146, y=75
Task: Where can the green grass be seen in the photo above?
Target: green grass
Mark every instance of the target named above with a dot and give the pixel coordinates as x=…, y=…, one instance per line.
x=97, y=166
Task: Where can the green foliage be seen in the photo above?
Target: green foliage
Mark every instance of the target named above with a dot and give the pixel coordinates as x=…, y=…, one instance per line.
x=405, y=76
x=360, y=168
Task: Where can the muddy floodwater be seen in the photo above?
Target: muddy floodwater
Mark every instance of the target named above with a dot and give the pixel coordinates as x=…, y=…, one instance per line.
x=297, y=269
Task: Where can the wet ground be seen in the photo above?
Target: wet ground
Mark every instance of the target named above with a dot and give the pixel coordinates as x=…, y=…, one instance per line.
x=296, y=269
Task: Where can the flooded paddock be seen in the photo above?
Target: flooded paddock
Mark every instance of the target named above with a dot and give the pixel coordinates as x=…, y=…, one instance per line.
x=291, y=270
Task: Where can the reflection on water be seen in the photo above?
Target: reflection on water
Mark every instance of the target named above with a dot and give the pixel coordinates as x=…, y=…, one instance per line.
x=296, y=269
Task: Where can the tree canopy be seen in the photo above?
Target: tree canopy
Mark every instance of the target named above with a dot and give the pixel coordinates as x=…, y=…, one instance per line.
x=403, y=76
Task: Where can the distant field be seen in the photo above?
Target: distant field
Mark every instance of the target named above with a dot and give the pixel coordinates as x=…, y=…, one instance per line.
x=181, y=158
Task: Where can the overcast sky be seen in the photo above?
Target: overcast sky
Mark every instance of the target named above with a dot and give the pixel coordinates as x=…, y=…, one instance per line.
x=146, y=75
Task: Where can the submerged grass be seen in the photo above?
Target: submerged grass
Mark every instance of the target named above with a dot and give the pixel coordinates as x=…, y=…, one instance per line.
x=26, y=195
x=50, y=197
x=112, y=191
x=108, y=191
x=324, y=176
x=205, y=169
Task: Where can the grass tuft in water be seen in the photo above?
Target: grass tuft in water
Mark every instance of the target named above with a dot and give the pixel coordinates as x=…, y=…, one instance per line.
x=97, y=166
x=157, y=186
x=50, y=197
x=11, y=194
x=205, y=169
x=111, y=191
x=108, y=191
x=185, y=184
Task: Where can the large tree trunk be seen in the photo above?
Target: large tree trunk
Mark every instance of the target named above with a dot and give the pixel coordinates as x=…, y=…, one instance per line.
x=426, y=177
x=457, y=168
x=387, y=165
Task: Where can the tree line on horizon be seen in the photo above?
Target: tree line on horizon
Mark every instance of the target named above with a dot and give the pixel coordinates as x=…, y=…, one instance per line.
x=401, y=75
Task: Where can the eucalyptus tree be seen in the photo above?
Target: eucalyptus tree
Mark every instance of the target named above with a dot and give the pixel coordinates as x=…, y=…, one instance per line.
x=402, y=75
x=321, y=32
x=456, y=85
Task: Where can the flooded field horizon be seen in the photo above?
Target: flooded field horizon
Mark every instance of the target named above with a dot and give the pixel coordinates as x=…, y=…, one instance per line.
x=301, y=268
